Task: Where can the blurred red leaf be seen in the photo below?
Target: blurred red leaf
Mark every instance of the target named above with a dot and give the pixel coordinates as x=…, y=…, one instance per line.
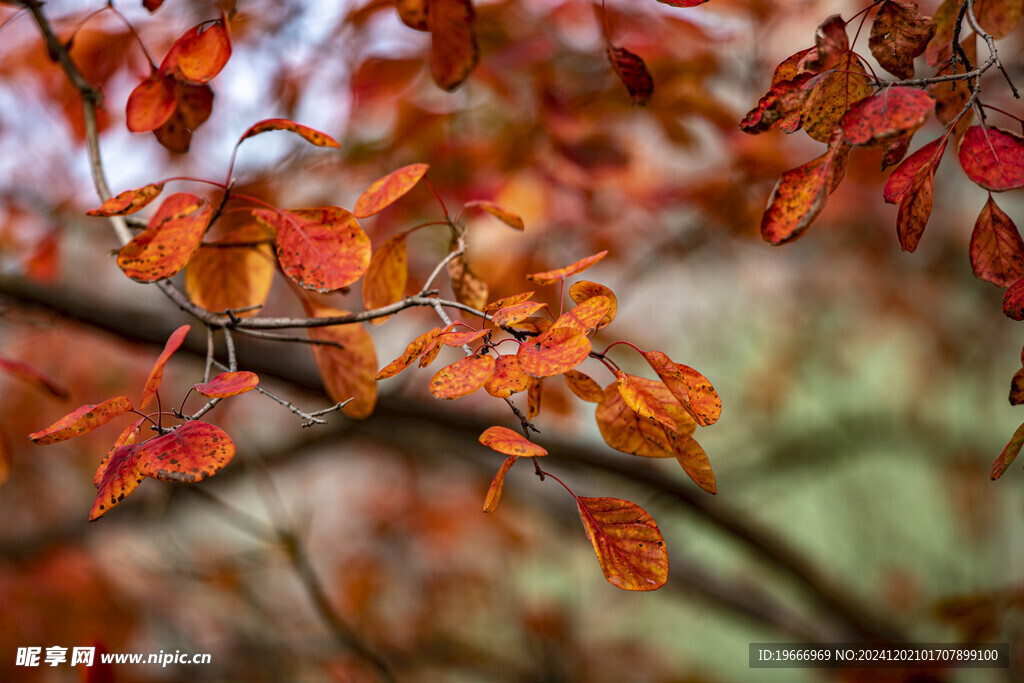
x=152, y=5
x=898, y=34
x=156, y=375
x=1013, y=301
x=534, y=396
x=683, y=3
x=169, y=240
x=507, y=217
x=997, y=251
x=554, y=352
x=386, y=276
x=82, y=420
x=462, y=377
x=413, y=13
x=497, y=484
x=128, y=202
x=34, y=376
x=228, y=384
x=1009, y=452
x=939, y=48
x=993, y=158
x=348, y=364
x=628, y=544
x=453, y=49
x=411, y=353
x=1017, y=388
x=200, y=53
x=469, y=288
x=998, y=17
x=902, y=178
x=386, y=190
x=633, y=73
x=508, y=378
x=508, y=442
x=189, y=453
x=891, y=113
x=321, y=249
x=549, y=277
x=308, y=134
x=583, y=386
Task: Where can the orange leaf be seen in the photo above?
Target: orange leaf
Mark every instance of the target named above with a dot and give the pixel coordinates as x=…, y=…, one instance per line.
x=232, y=274
x=902, y=178
x=462, y=377
x=508, y=442
x=461, y=337
x=469, y=289
x=387, y=275
x=508, y=378
x=586, y=316
x=534, y=396
x=993, y=158
x=34, y=376
x=642, y=402
x=550, y=277
x=170, y=239
x=1006, y=457
x=120, y=476
x=82, y=420
x=310, y=135
x=150, y=104
x=199, y=54
x=832, y=94
x=510, y=315
x=413, y=13
x=189, y=453
x=554, y=352
x=584, y=290
x=583, y=386
x=690, y=388
x=412, y=351
x=940, y=47
x=891, y=113
x=347, y=369
x=507, y=301
x=800, y=195
x=898, y=34
x=228, y=384
x=915, y=209
x=624, y=430
x=694, y=460
x=1017, y=388
x=998, y=17
x=507, y=217
x=997, y=251
x=156, y=375
x=128, y=202
x=321, y=249
x=453, y=50
x=497, y=484
x=385, y=191
x=128, y=436
x=629, y=546
x=633, y=73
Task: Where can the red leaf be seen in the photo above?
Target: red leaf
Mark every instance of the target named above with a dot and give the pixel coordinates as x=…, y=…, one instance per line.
x=915, y=209
x=413, y=13
x=940, y=48
x=510, y=315
x=1010, y=451
x=891, y=113
x=832, y=94
x=150, y=104
x=586, y=316
x=120, y=476
x=310, y=135
x=683, y=3
x=189, y=453
x=170, y=239
x=1013, y=301
x=462, y=377
x=831, y=45
x=993, y=158
x=507, y=301
x=508, y=378
x=629, y=546
x=156, y=375
x=34, y=376
x=641, y=401
x=228, y=384
x=507, y=217
x=633, y=73
x=549, y=277
x=386, y=276
x=320, y=249
x=902, y=178
x=997, y=251
x=152, y=5
x=82, y=420
x=624, y=430
x=508, y=442
x=554, y=352
x=800, y=195
x=348, y=364
x=128, y=201
x=497, y=484
x=199, y=54
x=583, y=386
x=461, y=337
x=385, y=191
x=584, y=290
x=411, y=353
x=694, y=461
x=998, y=17
x=898, y=34
x=1017, y=388
x=453, y=49
x=469, y=288
x=780, y=107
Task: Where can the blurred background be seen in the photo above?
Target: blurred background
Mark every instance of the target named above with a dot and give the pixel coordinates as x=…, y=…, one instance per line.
x=864, y=389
